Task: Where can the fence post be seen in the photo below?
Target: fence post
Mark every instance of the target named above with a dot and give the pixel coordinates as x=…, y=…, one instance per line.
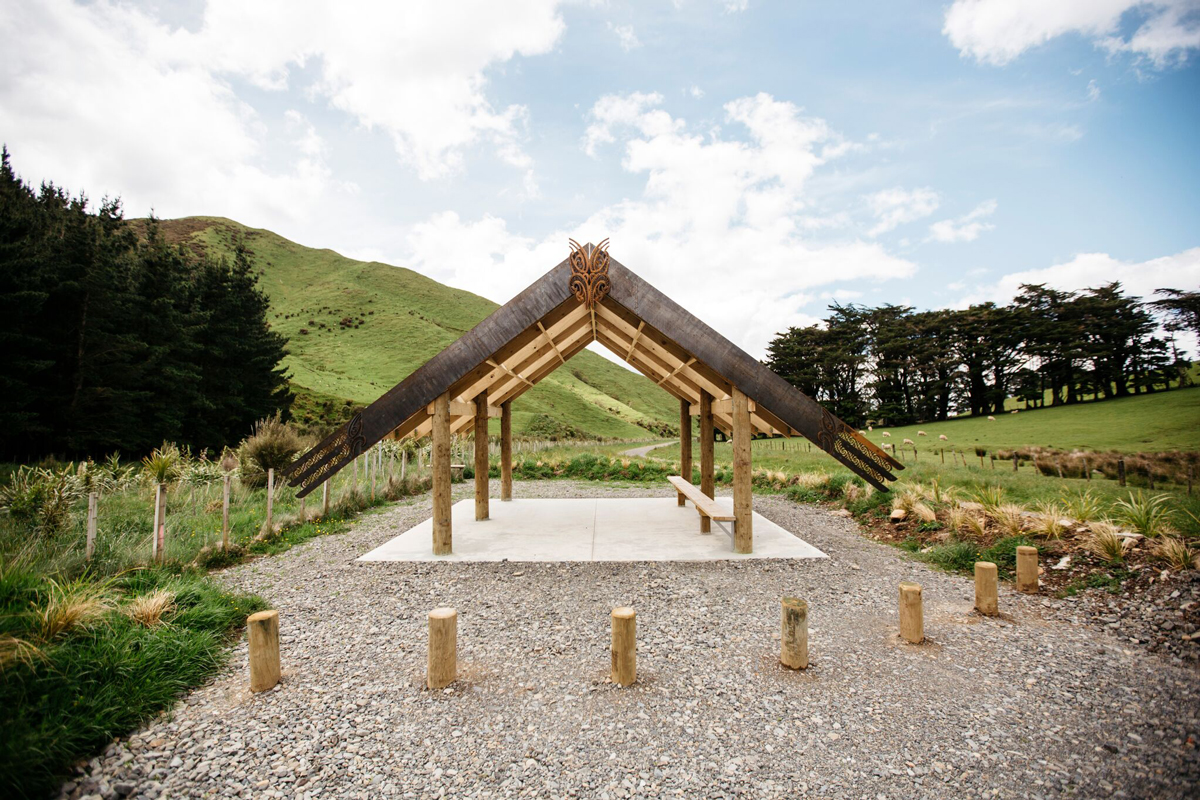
x=225, y=513
x=403, y=463
x=943, y=452
x=1121, y=471
x=270, y=498
x=324, y=499
x=93, y=498
x=1014, y=461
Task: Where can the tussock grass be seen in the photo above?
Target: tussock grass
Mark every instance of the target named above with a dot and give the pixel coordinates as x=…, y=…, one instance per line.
x=151, y=609
x=1149, y=515
x=1049, y=523
x=1105, y=543
x=1082, y=505
x=70, y=605
x=1178, y=553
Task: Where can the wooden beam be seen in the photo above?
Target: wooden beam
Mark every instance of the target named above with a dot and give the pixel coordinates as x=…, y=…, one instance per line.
x=506, y=451
x=636, y=335
x=481, y=456
x=725, y=406
x=550, y=341
x=707, y=484
x=442, y=536
x=743, y=502
x=462, y=408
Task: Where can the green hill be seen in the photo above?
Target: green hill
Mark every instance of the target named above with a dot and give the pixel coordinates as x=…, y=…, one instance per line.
x=357, y=328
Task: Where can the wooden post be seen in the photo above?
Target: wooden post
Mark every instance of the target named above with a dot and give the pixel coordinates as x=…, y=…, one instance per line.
x=160, y=536
x=624, y=646
x=912, y=618
x=403, y=463
x=1087, y=471
x=225, y=512
x=986, y=601
x=743, y=502
x=1121, y=471
x=263, y=632
x=303, y=510
x=441, y=475
x=707, y=484
x=685, y=446
x=373, y=468
x=354, y=486
x=325, y=499
x=1014, y=462
x=793, y=636
x=481, y=456
x=943, y=452
x=442, y=664
x=270, y=501
x=90, y=546
x=154, y=526
x=506, y=451
x=1027, y=569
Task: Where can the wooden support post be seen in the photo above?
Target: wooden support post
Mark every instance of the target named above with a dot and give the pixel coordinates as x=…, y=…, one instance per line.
x=481, y=456
x=90, y=544
x=707, y=484
x=228, y=480
x=912, y=618
x=793, y=636
x=270, y=500
x=1027, y=569
x=685, y=447
x=263, y=631
x=743, y=501
x=506, y=451
x=325, y=499
x=986, y=601
x=442, y=665
x=441, y=475
x=1121, y=471
x=624, y=646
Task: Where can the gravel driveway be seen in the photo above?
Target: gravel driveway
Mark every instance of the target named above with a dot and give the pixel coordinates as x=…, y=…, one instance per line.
x=1031, y=705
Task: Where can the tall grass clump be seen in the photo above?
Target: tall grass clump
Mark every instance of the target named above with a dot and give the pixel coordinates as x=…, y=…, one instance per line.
x=1106, y=543
x=1149, y=515
x=1083, y=505
x=1177, y=552
x=273, y=445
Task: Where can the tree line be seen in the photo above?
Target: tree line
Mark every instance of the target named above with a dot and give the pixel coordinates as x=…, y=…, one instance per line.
x=896, y=365
x=113, y=340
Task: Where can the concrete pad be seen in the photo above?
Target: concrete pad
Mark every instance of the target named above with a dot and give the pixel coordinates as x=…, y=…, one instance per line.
x=591, y=529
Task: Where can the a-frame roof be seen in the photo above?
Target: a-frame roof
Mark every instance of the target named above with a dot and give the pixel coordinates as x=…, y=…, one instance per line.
x=541, y=328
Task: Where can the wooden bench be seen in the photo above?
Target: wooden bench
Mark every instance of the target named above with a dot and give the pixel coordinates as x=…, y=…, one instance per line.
x=705, y=505
x=456, y=471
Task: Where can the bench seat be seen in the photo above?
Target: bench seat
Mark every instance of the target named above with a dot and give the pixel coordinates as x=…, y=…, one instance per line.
x=703, y=503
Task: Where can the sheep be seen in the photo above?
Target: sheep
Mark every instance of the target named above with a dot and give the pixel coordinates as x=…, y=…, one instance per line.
x=943, y=437
x=886, y=434
x=1014, y=411
x=991, y=418
x=909, y=441
x=922, y=433
x=870, y=427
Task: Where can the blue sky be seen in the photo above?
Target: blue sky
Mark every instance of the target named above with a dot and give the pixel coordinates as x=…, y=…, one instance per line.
x=753, y=159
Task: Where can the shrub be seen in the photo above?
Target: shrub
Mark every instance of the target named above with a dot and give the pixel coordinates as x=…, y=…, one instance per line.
x=40, y=498
x=273, y=445
x=1009, y=518
x=990, y=497
x=1148, y=515
x=1083, y=505
x=1105, y=543
x=1049, y=522
x=163, y=464
x=1177, y=552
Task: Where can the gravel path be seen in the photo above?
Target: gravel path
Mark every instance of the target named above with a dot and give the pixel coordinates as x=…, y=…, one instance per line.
x=1025, y=706
x=642, y=452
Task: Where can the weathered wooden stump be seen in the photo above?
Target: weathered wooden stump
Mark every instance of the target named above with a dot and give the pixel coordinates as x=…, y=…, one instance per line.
x=912, y=617
x=1027, y=569
x=263, y=633
x=986, y=600
x=624, y=646
x=443, y=648
x=793, y=637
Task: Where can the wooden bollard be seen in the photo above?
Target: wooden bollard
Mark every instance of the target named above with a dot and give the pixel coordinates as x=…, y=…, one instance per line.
x=793, y=635
x=442, y=667
x=263, y=630
x=912, y=618
x=624, y=646
x=985, y=588
x=1027, y=569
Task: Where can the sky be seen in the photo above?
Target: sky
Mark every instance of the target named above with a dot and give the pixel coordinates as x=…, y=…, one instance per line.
x=756, y=161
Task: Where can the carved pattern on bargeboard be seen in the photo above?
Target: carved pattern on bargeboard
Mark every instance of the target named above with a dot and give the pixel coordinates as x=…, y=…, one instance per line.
x=589, y=273
x=348, y=444
x=836, y=436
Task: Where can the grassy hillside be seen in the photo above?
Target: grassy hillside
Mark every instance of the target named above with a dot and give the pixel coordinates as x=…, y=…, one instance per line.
x=1148, y=422
x=357, y=328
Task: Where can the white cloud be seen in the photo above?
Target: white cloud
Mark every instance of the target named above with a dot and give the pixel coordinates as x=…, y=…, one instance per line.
x=894, y=207
x=714, y=211
x=1089, y=270
x=696, y=92
x=965, y=228
x=998, y=31
x=1093, y=90
x=626, y=36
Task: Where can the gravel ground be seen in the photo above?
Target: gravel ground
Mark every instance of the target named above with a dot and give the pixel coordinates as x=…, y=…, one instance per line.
x=1032, y=704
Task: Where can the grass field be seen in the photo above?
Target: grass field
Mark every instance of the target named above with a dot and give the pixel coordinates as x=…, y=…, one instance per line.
x=401, y=319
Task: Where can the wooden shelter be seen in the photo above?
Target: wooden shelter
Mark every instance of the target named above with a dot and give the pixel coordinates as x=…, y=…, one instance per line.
x=590, y=297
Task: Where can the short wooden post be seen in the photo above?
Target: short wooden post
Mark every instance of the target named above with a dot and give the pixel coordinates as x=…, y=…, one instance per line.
x=942, y=450
x=373, y=468
x=793, y=636
x=482, y=510
x=325, y=499
x=442, y=665
x=1087, y=470
x=263, y=630
x=685, y=446
x=743, y=498
x=228, y=479
x=1121, y=471
x=1027, y=569
x=442, y=538
x=270, y=500
x=912, y=617
x=707, y=484
x=1014, y=462
x=624, y=646
x=403, y=463
x=986, y=601
x=160, y=523
x=90, y=546
x=506, y=451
